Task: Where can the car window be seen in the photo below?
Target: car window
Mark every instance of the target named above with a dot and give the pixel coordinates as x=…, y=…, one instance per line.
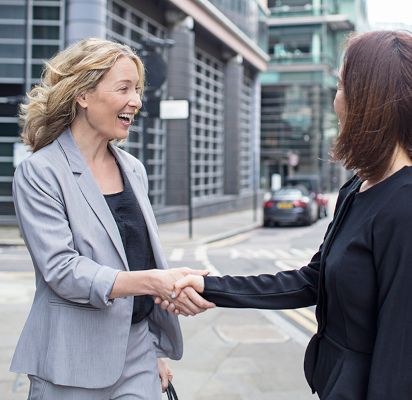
x=289, y=192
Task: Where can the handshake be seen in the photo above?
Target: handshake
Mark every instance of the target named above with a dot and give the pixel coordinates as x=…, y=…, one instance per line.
x=183, y=298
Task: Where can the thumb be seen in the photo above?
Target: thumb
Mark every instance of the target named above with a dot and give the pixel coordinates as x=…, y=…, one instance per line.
x=180, y=284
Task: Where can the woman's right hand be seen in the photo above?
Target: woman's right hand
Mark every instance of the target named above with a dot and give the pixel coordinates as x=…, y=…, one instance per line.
x=165, y=280
x=186, y=296
x=195, y=281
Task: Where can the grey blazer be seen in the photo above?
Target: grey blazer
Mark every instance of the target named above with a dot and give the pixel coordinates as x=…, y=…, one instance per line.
x=74, y=334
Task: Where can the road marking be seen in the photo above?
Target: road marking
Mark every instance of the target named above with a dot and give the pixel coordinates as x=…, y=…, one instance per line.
x=299, y=253
x=283, y=253
x=309, y=314
x=201, y=255
x=301, y=320
x=289, y=264
x=229, y=241
x=177, y=254
x=286, y=327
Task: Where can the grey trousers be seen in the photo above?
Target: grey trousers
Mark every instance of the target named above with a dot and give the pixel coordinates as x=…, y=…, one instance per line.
x=139, y=380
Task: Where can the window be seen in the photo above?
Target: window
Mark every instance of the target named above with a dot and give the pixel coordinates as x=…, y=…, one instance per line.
x=12, y=12
x=44, y=51
x=12, y=31
x=46, y=32
x=46, y=13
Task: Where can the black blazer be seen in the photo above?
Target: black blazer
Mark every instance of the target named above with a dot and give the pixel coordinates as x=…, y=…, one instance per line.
x=361, y=282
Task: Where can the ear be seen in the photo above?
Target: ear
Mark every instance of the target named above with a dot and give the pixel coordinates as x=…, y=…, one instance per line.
x=81, y=100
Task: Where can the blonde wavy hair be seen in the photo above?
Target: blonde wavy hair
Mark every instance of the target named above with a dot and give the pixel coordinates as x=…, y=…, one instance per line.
x=73, y=71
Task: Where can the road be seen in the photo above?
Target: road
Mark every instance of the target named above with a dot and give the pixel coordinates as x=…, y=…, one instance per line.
x=215, y=341
x=264, y=250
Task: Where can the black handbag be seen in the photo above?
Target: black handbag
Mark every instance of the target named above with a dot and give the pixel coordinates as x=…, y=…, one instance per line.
x=171, y=392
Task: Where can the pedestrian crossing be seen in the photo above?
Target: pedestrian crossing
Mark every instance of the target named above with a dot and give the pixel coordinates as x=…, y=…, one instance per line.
x=284, y=259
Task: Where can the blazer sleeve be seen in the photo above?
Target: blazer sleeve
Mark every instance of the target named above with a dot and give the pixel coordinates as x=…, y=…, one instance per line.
x=390, y=376
x=46, y=231
x=286, y=289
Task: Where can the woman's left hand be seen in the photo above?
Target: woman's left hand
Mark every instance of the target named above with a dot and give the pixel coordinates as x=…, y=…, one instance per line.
x=165, y=373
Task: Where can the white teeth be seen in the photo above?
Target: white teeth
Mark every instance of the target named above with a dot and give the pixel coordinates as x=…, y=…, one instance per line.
x=129, y=116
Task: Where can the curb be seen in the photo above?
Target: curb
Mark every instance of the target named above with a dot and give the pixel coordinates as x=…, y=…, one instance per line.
x=215, y=238
x=11, y=242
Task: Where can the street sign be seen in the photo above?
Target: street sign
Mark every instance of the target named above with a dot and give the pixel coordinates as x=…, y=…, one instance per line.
x=174, y=109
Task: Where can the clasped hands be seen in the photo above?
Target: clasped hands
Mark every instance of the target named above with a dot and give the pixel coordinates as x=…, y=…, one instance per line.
x=185, y=298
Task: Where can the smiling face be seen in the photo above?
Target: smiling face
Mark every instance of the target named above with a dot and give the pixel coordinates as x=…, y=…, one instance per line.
x=340, y=102
x=108, y=110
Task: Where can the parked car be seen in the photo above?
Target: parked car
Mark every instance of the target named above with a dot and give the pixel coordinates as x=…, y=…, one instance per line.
x=313, y=184
x=290, y=205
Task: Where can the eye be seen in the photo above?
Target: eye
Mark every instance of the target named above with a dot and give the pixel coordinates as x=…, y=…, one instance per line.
x=138, y=89
x=123, y=89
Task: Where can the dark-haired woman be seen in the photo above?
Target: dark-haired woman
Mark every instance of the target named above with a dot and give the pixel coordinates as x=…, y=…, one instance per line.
x=361, y=277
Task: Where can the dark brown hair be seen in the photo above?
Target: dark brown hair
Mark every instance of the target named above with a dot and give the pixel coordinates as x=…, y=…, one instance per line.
x=377, y=83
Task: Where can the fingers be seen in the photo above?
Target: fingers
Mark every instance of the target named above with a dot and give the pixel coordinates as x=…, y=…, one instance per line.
x=190, y=302
x=165, y=373
x=197, y=282
x=198, y=300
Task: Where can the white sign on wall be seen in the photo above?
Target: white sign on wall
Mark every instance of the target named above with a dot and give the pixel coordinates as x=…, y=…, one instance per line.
x=20, y=152
x=174, y=109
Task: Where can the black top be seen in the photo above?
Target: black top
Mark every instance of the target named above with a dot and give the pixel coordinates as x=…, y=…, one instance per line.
x=133, y=231
x=361, y=281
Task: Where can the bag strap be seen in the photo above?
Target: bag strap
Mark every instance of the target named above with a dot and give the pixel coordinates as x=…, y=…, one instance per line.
x=171, y=392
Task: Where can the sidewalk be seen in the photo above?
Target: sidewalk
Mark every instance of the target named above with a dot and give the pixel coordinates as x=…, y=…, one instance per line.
x=229, y=354
x=204, y=230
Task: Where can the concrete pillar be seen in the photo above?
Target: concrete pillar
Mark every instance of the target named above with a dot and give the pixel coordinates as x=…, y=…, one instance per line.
x=180, y=76
x=233, y=93
x=85, y=18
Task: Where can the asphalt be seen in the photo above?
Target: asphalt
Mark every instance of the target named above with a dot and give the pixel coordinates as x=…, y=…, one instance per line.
x=229, y=354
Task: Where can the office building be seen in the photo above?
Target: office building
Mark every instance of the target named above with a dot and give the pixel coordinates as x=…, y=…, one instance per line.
x=298, y=121
x=214, y=63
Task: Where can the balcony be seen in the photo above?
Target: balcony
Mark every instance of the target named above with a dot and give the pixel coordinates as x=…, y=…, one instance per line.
x=309, y=15
x=302, y=58
x=297, y=11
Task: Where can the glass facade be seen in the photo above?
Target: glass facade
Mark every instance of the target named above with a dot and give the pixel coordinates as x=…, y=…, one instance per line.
x=299, y=87
x=207, y=127
x=128, y=25
x=243, y=13
x=30, y=31
x=246, y=136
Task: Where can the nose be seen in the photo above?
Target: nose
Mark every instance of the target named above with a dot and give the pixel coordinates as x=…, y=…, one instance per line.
x=135, y=101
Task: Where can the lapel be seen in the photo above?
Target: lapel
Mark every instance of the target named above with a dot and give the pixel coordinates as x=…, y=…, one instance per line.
x=91, y=190
x=136, y=180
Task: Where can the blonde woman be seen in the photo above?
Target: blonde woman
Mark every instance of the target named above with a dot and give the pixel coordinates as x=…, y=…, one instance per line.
x=94, y=331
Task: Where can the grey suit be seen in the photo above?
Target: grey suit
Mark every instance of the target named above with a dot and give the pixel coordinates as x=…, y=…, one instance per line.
x=75, y=335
